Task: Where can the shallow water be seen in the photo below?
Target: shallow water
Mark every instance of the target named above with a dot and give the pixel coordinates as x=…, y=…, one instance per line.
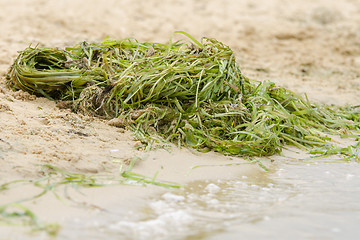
x=295, y=200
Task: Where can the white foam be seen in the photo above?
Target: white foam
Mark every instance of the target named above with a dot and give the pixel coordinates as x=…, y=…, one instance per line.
x=169, y=225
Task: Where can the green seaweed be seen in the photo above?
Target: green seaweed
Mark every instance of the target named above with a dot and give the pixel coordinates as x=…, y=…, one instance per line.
x=191, y=94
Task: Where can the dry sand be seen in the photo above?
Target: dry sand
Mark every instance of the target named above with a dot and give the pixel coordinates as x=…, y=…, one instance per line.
x=307, y=46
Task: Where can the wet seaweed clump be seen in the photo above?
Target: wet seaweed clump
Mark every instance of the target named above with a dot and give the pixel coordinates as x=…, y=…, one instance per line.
x=192, y=94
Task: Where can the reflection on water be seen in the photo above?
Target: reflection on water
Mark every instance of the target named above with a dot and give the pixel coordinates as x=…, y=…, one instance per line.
x=297, y=200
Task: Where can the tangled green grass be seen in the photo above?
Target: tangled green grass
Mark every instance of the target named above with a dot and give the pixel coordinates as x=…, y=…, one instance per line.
x=192, y=94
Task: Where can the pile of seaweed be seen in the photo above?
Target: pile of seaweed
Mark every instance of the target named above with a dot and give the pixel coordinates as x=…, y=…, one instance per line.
x=192, y=94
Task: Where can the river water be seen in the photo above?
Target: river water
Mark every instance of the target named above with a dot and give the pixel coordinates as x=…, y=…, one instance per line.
x=294, y=200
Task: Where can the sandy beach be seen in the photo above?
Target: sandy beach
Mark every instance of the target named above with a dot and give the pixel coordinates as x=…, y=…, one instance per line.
x=310, y=47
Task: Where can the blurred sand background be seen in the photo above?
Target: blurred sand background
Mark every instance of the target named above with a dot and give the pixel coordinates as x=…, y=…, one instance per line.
x=307, y=46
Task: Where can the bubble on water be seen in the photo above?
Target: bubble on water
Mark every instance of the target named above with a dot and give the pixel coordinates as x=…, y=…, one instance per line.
x=212, y=188
x=96, y=223
x=173, y=197
x=281, y=199
x=336, y=230
x=261, y=198
x=160, y=206
x=213, y=202
x=349, y=176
